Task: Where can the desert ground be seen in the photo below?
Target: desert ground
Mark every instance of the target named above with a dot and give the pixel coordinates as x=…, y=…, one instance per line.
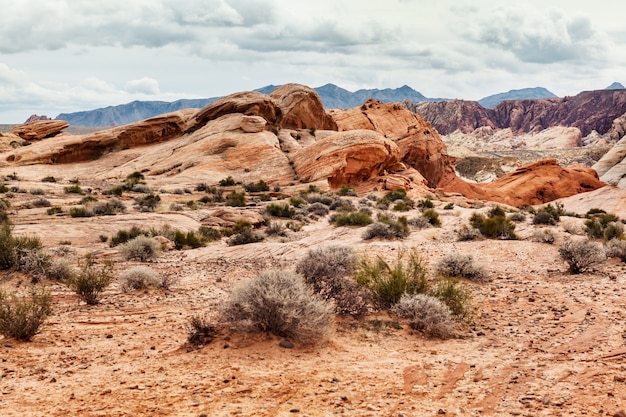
x=542, y=342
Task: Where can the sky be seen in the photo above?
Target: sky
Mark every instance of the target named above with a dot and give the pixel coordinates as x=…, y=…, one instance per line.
x=72, y=55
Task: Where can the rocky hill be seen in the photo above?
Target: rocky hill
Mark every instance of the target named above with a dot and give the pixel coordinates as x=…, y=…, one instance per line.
x=490, y=102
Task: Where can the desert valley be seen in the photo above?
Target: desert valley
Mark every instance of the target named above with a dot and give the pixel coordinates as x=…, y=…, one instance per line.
x=451, y=260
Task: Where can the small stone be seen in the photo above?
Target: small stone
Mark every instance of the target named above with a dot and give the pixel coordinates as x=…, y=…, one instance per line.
x=8, y=344
x=226, y=345
x=286, y=344
x=620, y=413
x=531, y=299
x=53, y=380
x=480, y=334
x=294, y=410
x=109, y=336
x=441, y=411
x=105, y=392
x=203, y=415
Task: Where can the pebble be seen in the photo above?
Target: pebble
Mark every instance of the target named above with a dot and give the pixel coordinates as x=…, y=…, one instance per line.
x=8, y=344
x=286, y=344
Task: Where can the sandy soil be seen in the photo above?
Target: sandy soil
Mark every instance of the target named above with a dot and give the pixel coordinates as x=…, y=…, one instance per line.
x=544, y=342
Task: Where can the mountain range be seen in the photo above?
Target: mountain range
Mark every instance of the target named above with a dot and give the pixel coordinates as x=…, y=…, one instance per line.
x=332, y=96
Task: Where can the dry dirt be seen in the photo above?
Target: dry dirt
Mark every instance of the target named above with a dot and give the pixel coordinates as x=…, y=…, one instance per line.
x=544, y=342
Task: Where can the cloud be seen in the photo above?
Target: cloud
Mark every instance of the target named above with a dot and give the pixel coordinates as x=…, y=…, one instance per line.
x=145, y=85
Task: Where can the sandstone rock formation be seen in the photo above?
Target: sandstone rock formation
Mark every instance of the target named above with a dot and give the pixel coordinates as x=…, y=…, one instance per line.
x=34, y=118
x=450, y=116
x=612, y=166
x=347, y=158
x=40, y=129
x=302, y=108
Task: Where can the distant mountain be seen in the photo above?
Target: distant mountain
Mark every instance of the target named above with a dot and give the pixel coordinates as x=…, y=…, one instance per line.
x=490, y=102
x=332, y=96
x=615, y=86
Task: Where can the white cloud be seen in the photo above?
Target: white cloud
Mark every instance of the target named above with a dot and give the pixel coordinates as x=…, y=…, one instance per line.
x=145, y=85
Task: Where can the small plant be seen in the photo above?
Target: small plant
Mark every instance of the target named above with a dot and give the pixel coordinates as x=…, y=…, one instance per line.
x=389, y=281
x=353, y=219
x=543, y=236
x=41, y=202
x=91, y=280
x=148, y=202
x=347, y=190
x=49, y=178
x=109, y=208
x=401, y=206
x=455, y=295
x=497, y=226
x=517, y=217
x=448, y=206
x=280, y=302
x=22, y=317
x=244, y=234
x=425, y=313
x=616, y=249
x=318, y=209
x=613, y=230
x=201, y=330
x=139, y=278
x=37, y=191
x=544, y=217
x=210, y=233
x=312, y=131
x=420, y=222
x=280, y=210
x=189, y=239
x=73, y=189
x=123, y=236
x=227, y=182
x=433, y=217
x=276, y=229
x=80, y=212
x=456, y=265
x=59, y=270
x=581, y=255
x=236, y=199
x=257, y=187
x=426, y=203
x=141, y=248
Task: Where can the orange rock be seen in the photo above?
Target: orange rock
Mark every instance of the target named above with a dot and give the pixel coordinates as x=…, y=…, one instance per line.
x=302, y=108
x=40, y=129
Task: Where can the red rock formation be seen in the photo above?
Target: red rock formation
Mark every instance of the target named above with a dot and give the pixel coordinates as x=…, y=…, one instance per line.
x=537, y=183
x=302, y=108
x=34, y=118
x=40, y=129
x=587, y=111
x=347, y=158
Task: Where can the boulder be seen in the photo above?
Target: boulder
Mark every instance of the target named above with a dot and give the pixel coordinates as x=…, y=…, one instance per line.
x=302, y=108
x=40, y=129
x=612, y=166
x=347, y=158
x=228, y=216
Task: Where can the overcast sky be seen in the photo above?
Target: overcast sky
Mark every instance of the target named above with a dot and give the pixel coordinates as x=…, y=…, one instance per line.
x=71, y=55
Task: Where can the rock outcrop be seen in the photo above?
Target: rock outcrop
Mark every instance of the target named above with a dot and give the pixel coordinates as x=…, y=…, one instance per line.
x=34, y=118
x=301, y=108
x=612, y=166
x=588, y=111
x=347, y=158
x=40, y=129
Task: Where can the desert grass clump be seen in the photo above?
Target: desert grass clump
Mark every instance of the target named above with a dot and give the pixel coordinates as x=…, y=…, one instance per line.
x=495, y=226
x=616, y=248
x=318, y=209
x=59, y=270
x=141, y=248
x=257, y=187
x=91, y=280
x=354, y=218
x=41, y=202
x=280, y=302
x=425, y=313
x=123, y=236
x=517, y=217
x=22, y=317
x=139, y=278
x=244, y=234
x=80, y=212
x=543, y=236
x=283, y=210
x=201, y=330
x=433, y=217
x=457, y=265
x=109, y=208
x=148, y=202
x=420, y=222
x=581, y=255
x=388, y=281
x=455, y=295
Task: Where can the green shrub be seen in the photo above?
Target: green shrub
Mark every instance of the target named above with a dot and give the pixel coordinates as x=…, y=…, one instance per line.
x=388, y=228
x=41, y=202
x=139, y=278
x=455, y=295
x=210, y=233
x=3, y=189
x=401, y=206
x=8, y=257
x=495, y=227
x=257, y=187
x=353, y=219
x=227, y=182
x=109, y=208
x=236, y=199
x=497, y=211
x=190, y=239
x=581, y=255
x=123, y=236
x=544, y=217
x=80, y=212
x=448, y=206
x=426, y=203
x=22, y=317
x=389, y=281
x=280, y=302
x=54, y=210
x=613, y=230
x=297, y=202
x=283, y=210
x=73, y=189
x=425, y=313
x=245, y=237
x=91, y=280
x=49, y=178
x=347, y=190
x=148, y=202
x=456, y=265
x=141, y=248
x=433, y=217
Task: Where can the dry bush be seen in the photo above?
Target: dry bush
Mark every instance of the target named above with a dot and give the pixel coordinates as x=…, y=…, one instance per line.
x=142, y=248
x=201, y=330
x=280, y=302
x=139, y=278
x=581, y=255
x=425, y=313
x=543, y=236
x=21, y=317
x=59, y=270
x=616, y=248
x=91, y=281
x=460, y=266
x=326, y=270
x=466, y=233
x=572, y=227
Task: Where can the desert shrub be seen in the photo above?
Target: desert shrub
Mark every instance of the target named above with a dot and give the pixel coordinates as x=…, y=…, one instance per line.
x=210, y=233
x=190, y=239
x=148, y=202
x=613, y=230
x=594, y=211
x=388, y=228
x=109, y=208
x=142, y=248
x=425, y=313
x=543, y=236
x=276, y=229
x=318, y=209
x=455, y=295
x=90, y=281
x=235, y=199
x=432, y=216
x=22, y=317
x=59, y=270
x=398, y=194
x=517, y=217
x=448, y=206
x=80, y=212
x=7, y=245
x=201, y=330
x=401, y=206
x=227, y=182
x=88, y=199
x=494, y=227
x=572, y=228
x=245, y=237
x=544, y=217
x=49, y=178
x=37, y=191
x=41, y=202
x=496, y=211
x=581, y=255
x=426, y=203
x=353, y=219
x=123, y=236
x=388, y=281
x=3, y=189
x=283, y=210
x=420, y=222
x=342, y=205
x=312, y=198
x=139, y=278
x=378, y=229
x=257, y=187
x=456, y=265
x=280, y=302
x=616, y=249
x=33, y=262
x=594, y=228
x=347, y=190
x=73, y=189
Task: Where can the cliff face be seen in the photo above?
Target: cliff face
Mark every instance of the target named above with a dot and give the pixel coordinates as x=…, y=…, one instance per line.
x=587, y=111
